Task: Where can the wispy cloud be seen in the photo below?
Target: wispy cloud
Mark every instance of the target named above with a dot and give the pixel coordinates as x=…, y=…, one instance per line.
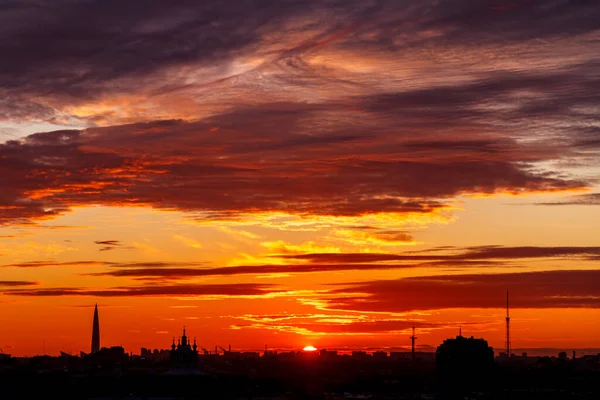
x=241, y=289
x=17, y=283
x=188, y=241
x=590, y=199
x=476, y=253
x=443, y=258
x=282, y=247
x=49, y=263
x=111, y=245
x=187, y=273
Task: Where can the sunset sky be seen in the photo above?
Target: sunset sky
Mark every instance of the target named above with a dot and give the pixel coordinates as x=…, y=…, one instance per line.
x=299, y=172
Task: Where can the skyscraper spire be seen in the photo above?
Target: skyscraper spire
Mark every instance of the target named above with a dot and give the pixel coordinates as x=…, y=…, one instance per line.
x=96, y=332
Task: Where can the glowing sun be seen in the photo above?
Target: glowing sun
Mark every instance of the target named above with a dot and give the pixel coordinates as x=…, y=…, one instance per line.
x=310, y=348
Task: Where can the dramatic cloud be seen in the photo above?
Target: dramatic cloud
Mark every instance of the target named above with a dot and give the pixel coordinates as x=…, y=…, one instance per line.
x=80, y=49
x=240, y=289
x=315, y=107
x=49, y=173
x=547, y=289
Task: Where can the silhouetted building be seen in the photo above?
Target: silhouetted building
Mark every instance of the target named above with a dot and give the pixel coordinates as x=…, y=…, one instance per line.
x=360, y=355
x=328, y=353
x=404, y=356
x=184, y=355
x=400, y=355
x=96, y=332
x=108, y=356
x=464, y=364
x=155, y=355
x=146, y=353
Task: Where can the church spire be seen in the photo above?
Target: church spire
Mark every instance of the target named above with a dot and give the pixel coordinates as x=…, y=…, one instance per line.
x=96, y=331
x=184, y=338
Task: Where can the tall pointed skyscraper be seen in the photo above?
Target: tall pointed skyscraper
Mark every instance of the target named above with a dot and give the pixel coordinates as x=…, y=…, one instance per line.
x=96, y=332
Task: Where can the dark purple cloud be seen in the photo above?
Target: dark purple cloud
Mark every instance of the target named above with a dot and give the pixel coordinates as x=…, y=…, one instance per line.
x=83, y=47
x=80, y=48
x=546, y=289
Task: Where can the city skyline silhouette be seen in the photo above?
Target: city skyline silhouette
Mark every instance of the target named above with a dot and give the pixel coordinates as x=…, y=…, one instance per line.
x=461, y=367
x=217, y=348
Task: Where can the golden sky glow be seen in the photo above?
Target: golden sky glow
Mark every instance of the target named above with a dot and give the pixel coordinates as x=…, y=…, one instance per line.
x=323, y=173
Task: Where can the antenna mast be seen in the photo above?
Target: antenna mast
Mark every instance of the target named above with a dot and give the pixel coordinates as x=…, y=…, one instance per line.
x=412, y=340
x=507, y=327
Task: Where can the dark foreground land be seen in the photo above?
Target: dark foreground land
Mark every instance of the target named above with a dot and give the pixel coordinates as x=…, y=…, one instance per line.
x=298, y=378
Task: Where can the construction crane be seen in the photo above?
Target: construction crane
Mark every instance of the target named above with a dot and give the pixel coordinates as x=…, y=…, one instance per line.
x=225, y=351
x=206, y=352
